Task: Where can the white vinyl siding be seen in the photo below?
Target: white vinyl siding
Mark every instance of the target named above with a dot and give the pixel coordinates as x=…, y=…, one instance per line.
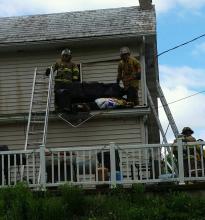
x=16, y=76
x=94, y=132
x=16, y=73
x=104, y=71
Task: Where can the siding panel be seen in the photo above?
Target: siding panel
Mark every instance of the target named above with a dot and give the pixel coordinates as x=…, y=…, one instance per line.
x=16, y=73
x=16, y=76
x=103, y=72
x=95, y=132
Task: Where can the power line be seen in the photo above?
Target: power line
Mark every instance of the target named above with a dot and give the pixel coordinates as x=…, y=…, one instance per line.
x=180, y=45
x=183, y=98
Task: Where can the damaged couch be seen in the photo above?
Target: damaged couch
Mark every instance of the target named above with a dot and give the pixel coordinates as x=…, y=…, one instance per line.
x=88, y=96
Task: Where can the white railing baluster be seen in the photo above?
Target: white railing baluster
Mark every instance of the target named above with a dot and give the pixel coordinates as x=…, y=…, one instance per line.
x=153, y=167
x=172, y=161
x=52, y=167
x=34, y=168
x=112, y=165
x=71, y=166
x=165, y=160
x=133, y=165
x=96, y=166
x=21, y=167
x=189, y=160
x=77, y=162
x=159, y=160
x=3, y=171
x=202, y=159
x=180, y=161
x=147, y=160
x=59, y=167
x=15, y=169
x=84, y=160
x=9, y=170
x=42, y=167
x=127, y=165
x=90, y=166
x=195, y=162
x=103, y=167
x=27, y=169
x=121, y=169
x=65, y=166
x=140, y=163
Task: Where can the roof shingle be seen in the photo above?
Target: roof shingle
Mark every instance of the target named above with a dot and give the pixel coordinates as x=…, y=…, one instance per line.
x=69, y=25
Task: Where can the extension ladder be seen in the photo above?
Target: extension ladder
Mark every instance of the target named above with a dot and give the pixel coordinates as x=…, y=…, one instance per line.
x=37, y=125
x=39, y=110
x=168, y=114
x=167, y=110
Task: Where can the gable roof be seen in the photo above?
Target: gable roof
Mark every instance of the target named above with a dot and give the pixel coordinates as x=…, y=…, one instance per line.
x=82, y=24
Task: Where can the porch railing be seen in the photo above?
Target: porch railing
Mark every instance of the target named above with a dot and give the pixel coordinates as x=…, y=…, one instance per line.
x=104, y=165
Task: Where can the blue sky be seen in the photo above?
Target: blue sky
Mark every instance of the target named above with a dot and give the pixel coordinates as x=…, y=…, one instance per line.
x=182, y=71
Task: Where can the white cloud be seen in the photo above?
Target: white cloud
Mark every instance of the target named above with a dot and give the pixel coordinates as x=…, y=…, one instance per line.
x=166, y=5
x=16, y=7
x=191, y=4
x=20, y=7
x=173, y=77
x=176, y=83
x=199, y=49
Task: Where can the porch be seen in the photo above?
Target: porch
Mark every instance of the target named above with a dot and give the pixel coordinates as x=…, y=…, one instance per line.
x=104, y=165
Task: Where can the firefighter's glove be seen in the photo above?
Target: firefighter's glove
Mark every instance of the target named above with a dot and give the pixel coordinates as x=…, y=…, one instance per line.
x=47, y=73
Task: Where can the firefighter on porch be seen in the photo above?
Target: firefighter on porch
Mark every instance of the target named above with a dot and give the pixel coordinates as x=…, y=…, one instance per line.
x=189, y=158
x=129, y=73
x=67, y=73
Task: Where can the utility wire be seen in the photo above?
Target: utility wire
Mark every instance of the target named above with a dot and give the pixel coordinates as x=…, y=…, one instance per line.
x=180, y=45
x=183, y=98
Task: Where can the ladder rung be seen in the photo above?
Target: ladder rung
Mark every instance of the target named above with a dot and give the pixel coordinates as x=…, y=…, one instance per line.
x=38, y=109
x=35, y=143
x=40, y=102
x=41, y=91
x=41, y=82
x=37, y=122
x=39, y=112
x=36, y=132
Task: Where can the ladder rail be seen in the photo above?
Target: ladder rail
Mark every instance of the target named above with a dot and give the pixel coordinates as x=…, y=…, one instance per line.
x=48, y=106
x=167, y=110
x=30, y=109
x=33, y=112
x=161, y=129
x=39, y=117
x=156, y=117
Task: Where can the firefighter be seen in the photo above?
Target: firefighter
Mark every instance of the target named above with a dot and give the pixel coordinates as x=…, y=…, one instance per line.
x=129, y=74
x=67, y=73
x=186, y=136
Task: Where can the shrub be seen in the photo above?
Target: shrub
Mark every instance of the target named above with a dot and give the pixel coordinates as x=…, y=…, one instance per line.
x=19, y=203
x=73, y=200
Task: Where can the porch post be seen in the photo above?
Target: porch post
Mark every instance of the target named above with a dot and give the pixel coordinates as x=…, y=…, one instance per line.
x=180, y=161
x=42, y=167
x=112, y=165
x=143, y=72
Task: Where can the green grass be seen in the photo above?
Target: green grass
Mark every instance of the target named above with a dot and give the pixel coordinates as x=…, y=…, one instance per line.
x=19, y=203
